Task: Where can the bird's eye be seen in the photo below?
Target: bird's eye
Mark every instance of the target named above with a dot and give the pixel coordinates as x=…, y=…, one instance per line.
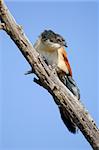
x=59, y=40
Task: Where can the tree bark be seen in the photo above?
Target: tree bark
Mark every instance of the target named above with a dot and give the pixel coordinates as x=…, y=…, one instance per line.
x=48, y=78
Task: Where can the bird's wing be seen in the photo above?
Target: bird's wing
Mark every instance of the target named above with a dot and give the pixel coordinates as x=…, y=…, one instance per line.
x=66, y=61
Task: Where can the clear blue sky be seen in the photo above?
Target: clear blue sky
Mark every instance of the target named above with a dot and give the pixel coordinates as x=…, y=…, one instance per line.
x=29, y=118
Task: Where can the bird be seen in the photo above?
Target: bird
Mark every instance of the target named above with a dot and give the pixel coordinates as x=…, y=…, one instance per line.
x=51, y=46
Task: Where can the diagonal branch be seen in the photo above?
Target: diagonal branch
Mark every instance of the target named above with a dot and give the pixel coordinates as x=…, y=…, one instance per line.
x=49, y=80
x=2, y=26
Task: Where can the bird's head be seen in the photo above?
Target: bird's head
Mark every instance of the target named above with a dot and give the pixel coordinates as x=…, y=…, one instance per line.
x=52, y=40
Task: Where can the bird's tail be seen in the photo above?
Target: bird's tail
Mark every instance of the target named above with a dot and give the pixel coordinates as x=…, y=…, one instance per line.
x=71, y=85
x=67, y=120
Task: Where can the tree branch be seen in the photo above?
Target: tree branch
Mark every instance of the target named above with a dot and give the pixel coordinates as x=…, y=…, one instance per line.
x=2, y=26
x=49, y=80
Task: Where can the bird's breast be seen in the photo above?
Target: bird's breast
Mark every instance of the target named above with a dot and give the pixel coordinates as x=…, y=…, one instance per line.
x=51, y=56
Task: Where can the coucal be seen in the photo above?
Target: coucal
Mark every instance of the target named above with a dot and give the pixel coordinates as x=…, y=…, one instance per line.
x=51, y=46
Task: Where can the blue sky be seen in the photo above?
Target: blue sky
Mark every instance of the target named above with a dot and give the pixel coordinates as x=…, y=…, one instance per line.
x=29, y=118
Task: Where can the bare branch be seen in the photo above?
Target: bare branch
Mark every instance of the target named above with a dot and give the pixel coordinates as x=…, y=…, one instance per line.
x=49, y=80
x=2, y=26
